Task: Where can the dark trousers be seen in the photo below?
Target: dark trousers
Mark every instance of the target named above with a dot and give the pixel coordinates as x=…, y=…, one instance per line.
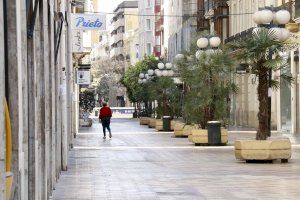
x=106, y=125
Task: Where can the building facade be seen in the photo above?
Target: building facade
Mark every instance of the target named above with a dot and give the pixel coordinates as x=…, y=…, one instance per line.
x=124, y=21
x=178, y=38
x=159, y=46
x=146, y=28
x=38, y=72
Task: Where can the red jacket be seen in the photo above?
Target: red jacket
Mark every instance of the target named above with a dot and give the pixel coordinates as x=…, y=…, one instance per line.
x=105, y=112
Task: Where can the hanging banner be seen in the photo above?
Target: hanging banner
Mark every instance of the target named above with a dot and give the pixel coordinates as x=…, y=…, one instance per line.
x=88, y=22
x=77, y=41
x=83, y=77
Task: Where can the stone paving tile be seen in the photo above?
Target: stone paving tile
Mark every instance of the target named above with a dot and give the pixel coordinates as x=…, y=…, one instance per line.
x=141, y=164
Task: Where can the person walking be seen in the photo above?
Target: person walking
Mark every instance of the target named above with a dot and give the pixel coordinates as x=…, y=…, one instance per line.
x=104, y=116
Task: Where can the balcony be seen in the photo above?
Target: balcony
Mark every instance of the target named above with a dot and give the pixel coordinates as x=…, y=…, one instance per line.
x=116, y=51
x=159, y=24
x=119, y=22
x=118, y=37
x=157, y=51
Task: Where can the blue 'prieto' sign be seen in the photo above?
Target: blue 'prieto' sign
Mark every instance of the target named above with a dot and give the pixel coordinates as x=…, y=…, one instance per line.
x=88, y=22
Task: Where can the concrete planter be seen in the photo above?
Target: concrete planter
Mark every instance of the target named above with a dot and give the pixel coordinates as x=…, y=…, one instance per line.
x=187, y=130
x=200, y=136
x=178, y=129
x=144, y=121
x=183, y=130
x=86, y=122
x=173, y=122
x=263, y=150
x=159, y=125
x=152, y=123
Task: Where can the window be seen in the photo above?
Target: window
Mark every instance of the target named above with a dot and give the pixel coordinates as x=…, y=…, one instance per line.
x=149, y=49
x=148, y=24
x=148, y=3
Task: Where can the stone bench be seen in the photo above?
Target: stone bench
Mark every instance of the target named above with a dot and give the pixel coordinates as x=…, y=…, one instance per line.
x=266, y=150
x=200, y=136
x=144, y=120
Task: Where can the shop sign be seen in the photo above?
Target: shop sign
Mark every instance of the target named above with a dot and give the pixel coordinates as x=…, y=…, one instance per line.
x=83, y=77
x=77, y=41
x=88, y=22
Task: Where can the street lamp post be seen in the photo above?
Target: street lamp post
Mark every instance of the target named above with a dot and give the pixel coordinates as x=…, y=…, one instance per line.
x=274, y=19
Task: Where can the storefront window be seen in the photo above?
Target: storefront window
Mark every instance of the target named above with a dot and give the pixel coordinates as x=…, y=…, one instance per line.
x=285, y=99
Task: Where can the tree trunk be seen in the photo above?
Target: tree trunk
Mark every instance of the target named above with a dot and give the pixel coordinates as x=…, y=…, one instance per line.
x=262, y=91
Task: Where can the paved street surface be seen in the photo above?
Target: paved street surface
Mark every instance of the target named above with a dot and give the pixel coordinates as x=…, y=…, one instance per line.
x=139, y=163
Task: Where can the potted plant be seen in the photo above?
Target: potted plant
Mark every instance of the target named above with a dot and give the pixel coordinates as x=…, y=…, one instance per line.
x=262, y=53
x=208, y=85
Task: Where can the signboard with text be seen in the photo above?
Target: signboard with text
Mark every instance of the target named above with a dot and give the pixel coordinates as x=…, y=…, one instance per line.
x=83, y=77
x=88, y=22
x=77, y=41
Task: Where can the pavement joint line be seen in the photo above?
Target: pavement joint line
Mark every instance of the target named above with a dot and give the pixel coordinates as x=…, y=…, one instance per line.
x=123, y=133
x=161, y=147
x=152, y=147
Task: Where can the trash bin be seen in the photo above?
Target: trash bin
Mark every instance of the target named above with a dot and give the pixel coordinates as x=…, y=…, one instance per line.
x=214, y=132
x=96, y=113
x=166, y=123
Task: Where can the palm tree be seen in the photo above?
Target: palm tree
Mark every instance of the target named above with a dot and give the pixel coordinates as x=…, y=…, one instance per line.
x=262, y=53
x=208, y=86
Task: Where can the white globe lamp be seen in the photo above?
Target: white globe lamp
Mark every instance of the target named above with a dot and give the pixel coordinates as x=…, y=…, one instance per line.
x=256, y=17
x=209, y=52
x=275, y=33
x=151, y=72
x=140, y=81
x=165, y=73
x=161, y=65
x=285, y=34
x=142, y=75
x=198, y=54
x=179, y=56
x=265, y=16
x=202, y=43
x=214, y=41
x=282, y=17
x=144, y=80
x=168, y=65
x=158, y=73
x=170, y=73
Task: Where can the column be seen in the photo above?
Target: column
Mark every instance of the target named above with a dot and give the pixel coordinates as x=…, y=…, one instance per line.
x=63, y=67
x=17, y=91
x=2, y=95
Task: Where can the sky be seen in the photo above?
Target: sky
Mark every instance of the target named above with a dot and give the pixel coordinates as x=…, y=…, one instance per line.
x=108, y=5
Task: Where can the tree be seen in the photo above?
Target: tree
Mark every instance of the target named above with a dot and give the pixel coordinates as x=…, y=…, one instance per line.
x=139, y=93
x=87, y=101
x=262, y=53
x=207, y=86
